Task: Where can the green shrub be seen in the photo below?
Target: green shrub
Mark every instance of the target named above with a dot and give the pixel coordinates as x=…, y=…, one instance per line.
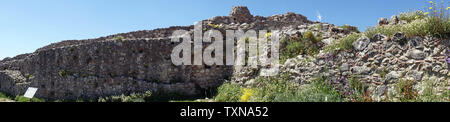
x=3, y=95
x=307, y=44
x=228, y=92
x=291, y=50
x=431, y=26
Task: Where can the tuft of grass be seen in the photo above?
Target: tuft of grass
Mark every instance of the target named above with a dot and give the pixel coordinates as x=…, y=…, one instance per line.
x=383, y=72
x=3, y=95
x=344, y=43
x=24, y=99
x=28, y=76
x=119, y=38
x=406, y=91
x=388, y=30
x=350, y=28
x=215, y=26
x=64, y=73
x=134, y=97
x=358, y=91
x=430, y=94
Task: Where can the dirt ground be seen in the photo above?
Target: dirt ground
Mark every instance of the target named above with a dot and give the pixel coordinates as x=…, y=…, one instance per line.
x=6, y=100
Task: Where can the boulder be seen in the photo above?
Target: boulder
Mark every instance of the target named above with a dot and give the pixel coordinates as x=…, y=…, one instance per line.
x=383, y=21
x=361, y=43
x=378, y=37
x=417, y=54
x=394, y=20
x=399, y=37
x=416, y=42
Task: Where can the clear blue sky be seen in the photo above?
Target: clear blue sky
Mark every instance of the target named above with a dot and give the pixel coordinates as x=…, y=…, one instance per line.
x=26, y=25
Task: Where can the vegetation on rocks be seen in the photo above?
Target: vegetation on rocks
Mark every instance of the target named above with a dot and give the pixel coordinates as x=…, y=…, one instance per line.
x=308, y=44
x=279, y=89
x=433, y=21
x=382, y=70
x=343, y=43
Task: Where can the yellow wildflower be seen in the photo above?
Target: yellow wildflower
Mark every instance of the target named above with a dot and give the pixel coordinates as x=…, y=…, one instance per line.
x=431, y=2
x=426, y=13
x=268, y=35
x=430, y=8
x=247, y=93
x=447, y=8
x=417, y=17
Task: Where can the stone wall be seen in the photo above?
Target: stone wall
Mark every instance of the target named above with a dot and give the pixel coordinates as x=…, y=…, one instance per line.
x=107, y=68
x=128, y=62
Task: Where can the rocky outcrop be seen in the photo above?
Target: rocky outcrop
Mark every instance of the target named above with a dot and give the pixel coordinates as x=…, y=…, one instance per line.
x=240, y=14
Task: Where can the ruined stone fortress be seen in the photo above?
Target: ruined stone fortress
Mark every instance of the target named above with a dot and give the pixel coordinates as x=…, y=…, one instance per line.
x=127, y=63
